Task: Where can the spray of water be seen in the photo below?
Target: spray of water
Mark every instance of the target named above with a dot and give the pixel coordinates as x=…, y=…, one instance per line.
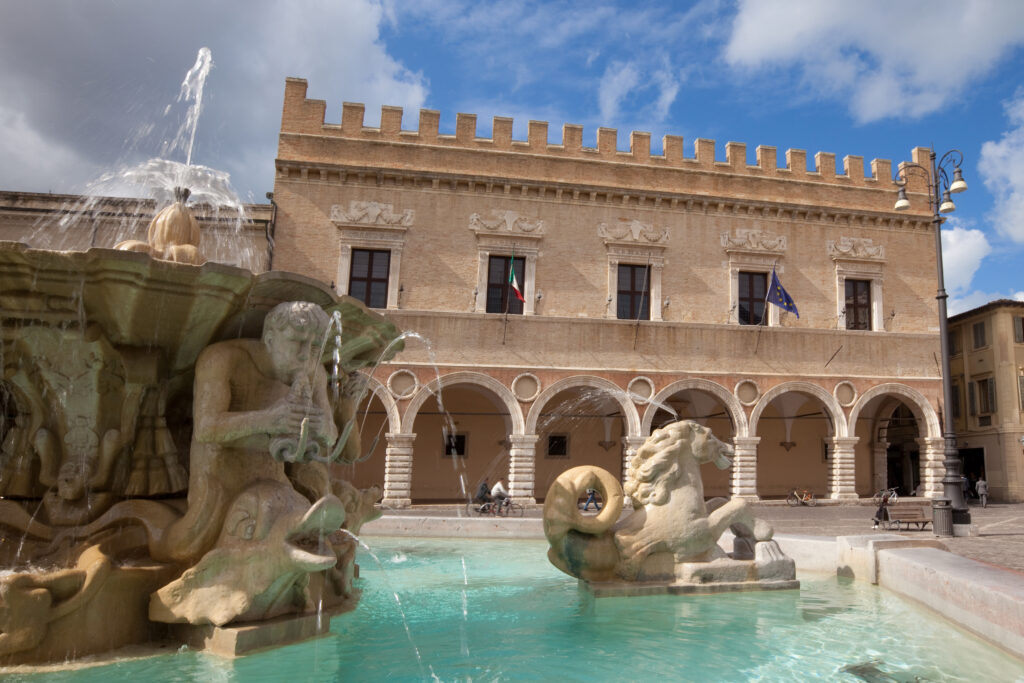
x=191, y=91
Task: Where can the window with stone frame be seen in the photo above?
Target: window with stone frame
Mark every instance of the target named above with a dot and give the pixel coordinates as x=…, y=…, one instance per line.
x=634, y=292
x=858, y=304
x=753, y=288
x=501, y=298
x=368, y=277
x=979, y=335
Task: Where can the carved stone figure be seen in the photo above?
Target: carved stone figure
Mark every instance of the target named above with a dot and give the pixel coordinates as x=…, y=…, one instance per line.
x=271, y=541
x=671, y=530
x=254, y=399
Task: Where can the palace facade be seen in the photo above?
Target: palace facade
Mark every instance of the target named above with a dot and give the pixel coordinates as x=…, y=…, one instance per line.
x=644, y=280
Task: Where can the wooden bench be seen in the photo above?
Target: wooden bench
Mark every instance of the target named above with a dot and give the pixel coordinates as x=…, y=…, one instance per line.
x=908, y=513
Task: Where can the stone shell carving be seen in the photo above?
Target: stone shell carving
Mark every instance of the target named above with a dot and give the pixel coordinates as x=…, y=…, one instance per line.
x=506, y=221
x=631, y=230
x=372, y=213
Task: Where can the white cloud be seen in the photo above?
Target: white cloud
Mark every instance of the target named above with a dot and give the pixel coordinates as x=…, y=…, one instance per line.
x=876, y=52
x=33, y=162
x=1002, y=169
x=963, y=250
x=620, y=78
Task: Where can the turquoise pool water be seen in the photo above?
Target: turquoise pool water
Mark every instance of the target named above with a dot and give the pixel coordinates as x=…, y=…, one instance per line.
x=496, y=610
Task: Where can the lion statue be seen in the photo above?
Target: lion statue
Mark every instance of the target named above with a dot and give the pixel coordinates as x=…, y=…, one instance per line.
x=671, y=523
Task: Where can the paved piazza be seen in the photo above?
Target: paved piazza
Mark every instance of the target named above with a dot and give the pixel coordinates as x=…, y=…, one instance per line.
x=1000, y=526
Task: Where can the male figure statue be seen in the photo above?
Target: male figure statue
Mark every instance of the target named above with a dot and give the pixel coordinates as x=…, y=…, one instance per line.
x=260, y=411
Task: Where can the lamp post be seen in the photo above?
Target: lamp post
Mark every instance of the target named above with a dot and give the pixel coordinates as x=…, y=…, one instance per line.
x=940, y=187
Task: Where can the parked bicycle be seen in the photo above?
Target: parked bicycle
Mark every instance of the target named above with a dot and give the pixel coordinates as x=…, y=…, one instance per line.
x=801, y=497
x=890, y=495
x=498, y=508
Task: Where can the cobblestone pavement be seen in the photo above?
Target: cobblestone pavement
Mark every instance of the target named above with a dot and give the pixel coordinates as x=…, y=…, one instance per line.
x=1000, y=526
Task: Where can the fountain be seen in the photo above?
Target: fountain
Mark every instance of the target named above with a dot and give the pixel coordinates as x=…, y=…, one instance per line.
x=166, y=441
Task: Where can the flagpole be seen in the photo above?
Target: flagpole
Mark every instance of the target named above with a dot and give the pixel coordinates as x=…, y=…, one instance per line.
x=508, y=293
x=643, y=293
x=764, y=312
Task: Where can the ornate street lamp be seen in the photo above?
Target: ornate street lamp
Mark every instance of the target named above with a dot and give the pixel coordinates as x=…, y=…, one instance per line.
x=940, y=187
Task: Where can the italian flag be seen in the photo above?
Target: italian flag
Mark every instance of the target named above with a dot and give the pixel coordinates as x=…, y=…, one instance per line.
x=512, y=279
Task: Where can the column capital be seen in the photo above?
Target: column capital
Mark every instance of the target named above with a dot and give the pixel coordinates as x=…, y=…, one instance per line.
x=845, y=442
x=633, y=442
x=522, y=440
x=400, y=439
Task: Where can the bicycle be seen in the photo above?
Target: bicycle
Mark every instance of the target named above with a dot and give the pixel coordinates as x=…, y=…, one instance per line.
x=801, y=497
x=499, y=509
x=889, y=494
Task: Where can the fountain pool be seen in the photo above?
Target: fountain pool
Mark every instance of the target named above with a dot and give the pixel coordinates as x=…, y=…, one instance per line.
x=498, y=610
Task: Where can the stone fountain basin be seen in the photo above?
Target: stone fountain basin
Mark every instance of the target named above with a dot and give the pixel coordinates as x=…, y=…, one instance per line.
x=143, y=302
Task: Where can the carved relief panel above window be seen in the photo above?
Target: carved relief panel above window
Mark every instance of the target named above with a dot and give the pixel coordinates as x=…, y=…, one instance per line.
x=375, y=227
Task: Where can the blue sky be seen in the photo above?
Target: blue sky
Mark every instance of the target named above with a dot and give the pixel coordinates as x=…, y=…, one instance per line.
x=86, y=84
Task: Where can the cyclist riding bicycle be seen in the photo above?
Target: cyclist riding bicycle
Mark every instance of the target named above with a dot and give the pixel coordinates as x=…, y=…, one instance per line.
x=499, y=493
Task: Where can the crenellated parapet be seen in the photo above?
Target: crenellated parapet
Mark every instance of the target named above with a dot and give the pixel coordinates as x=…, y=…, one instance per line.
x=304, y=116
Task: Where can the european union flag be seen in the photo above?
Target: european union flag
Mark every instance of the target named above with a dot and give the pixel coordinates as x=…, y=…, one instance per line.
x=780, y=297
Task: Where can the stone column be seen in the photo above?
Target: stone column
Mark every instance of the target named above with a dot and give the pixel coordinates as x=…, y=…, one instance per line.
x=744, y=467
x=880, y=463
x=933, y=469
x=522, y=467
x=630, y=445
x=842, y=480
x=398, y=470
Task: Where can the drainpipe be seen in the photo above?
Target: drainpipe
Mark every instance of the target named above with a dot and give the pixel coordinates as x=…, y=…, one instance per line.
x=270, y=231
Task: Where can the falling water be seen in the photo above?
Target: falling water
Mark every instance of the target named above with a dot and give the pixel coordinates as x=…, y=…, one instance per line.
x=124, y=199
x=191, y=91
x=398, y=601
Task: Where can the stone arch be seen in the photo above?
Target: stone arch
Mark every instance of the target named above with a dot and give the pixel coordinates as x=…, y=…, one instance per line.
x=389, y=402
x=828, y=400
x=732, y=405
x=430, y=389
x=914, y=399
x=629, y=410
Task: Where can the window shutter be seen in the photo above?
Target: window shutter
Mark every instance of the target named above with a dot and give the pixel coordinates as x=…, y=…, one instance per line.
x=1020, y=390
x=1018, y=329
x=972, y=403
x=992, y=394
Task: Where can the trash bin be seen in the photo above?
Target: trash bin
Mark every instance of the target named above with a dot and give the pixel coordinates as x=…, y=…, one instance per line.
x=942, y=516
